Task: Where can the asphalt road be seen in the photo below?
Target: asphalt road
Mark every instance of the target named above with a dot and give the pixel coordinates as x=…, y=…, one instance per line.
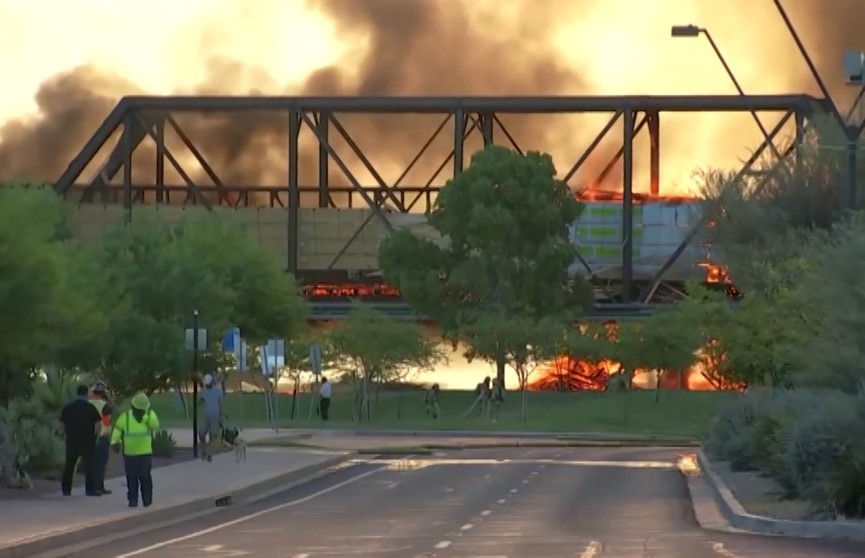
x=504, y=503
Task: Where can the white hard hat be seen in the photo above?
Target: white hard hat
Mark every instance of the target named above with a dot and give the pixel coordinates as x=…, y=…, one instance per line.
x=208, y=379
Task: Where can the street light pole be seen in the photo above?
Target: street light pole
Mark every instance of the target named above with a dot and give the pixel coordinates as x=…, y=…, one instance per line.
x=195, y=383
x=694, y=31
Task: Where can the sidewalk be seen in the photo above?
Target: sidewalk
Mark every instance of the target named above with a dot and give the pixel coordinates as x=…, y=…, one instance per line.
x=174, y=485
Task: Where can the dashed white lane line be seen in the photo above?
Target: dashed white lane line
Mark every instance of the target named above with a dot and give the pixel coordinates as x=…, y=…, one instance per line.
x=721, y=550
x=514, y=490
x=443, y=544
x=533, y=473
x=591, y=550
x=526, y=481
x=500, y=501
x=466, y=527
x=485, y=513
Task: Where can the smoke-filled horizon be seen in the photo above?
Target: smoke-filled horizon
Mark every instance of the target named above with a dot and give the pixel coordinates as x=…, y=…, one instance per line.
x=445, y=47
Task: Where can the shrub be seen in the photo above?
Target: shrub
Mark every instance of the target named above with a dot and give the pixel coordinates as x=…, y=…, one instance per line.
x=163, y=444
x=816, y=443
x=31, y=441
x=844, y=487
x=729, y=435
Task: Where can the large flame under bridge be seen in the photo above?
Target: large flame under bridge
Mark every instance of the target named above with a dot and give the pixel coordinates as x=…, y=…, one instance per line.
x=290, y=170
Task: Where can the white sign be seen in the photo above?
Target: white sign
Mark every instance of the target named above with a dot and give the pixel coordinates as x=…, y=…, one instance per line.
x=272, y=356
x=315, y=358
x=202, y=340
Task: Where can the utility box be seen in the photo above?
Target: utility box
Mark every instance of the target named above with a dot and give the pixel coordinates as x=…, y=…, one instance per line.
x=854, y=67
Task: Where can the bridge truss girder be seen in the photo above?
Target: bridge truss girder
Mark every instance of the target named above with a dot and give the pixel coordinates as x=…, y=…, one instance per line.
x=136, y=119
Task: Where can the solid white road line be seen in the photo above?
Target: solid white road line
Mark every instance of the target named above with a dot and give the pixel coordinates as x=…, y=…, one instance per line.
x=591, y=550
x=248, y=517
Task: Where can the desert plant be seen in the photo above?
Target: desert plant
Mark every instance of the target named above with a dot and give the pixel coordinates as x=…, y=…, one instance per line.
x=816, y=443
x=729, y=437
x=164, y=444
x=31, y=442
x=844, y=495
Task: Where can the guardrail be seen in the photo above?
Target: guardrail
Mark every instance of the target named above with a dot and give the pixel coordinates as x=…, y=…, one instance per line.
x=337, y=311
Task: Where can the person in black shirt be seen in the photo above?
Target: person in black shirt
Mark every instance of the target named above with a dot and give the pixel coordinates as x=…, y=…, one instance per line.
x=80, y=420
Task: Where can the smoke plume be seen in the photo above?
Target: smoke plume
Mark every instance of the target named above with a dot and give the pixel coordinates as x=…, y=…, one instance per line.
x=470, y=47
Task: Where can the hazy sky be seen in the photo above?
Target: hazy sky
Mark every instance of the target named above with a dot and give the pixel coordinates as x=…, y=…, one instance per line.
x=596, y=46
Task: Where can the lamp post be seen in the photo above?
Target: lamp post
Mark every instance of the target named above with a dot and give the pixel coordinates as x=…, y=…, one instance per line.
x=195, y=349
x=683, y=31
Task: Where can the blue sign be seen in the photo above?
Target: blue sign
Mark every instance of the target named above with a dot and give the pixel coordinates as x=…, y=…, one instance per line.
x=231, y=341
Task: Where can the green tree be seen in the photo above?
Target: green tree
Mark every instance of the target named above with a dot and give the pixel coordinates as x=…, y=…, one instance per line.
x=504, y=243
x=375, y=347
x=46, y=306
x=664, y=343
x=523, y=341
x=159, y=274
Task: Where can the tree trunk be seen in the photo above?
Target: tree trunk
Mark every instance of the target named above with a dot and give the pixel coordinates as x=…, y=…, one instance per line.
x=658, y=386
x=523, y=397
x=500, y=371
x=399, y=401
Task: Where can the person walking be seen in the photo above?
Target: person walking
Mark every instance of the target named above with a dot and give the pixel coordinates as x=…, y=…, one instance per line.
x=431, y=401
x=324, y=396
x=80, y=420
x=99, y=399
x=211, y=399
x=133, y=434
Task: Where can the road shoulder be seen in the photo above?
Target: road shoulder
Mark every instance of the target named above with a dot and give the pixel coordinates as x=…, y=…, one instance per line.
x=736, y=518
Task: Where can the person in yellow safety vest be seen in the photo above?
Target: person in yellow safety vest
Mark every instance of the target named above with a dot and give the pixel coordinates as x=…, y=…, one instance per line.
x=134, y=432
x=99, y=399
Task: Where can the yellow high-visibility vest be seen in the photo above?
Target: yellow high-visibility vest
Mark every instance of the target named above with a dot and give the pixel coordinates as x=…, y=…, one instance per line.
x=137, y=437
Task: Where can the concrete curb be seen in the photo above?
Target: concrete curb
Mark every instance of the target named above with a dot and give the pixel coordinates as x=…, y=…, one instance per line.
x=739, y=518
x=565, y=444
x=570, y=436
x=138, y=521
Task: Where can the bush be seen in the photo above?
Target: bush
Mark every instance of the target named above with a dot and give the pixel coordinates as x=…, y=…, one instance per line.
x=844, y=494
x=816, y=443
x=30, y=440
x=163, y=444
x=729, y=437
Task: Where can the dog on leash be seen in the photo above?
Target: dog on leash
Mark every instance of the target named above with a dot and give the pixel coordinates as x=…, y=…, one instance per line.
x=233, y=439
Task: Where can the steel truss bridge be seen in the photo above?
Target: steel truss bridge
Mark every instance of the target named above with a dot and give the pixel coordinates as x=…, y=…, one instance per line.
x=113, y=152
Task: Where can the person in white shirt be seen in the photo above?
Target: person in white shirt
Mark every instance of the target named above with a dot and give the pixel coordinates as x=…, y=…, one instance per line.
x=324, y=399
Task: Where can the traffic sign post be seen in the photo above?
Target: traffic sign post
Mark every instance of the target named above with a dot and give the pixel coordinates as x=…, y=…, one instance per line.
x=315, y=367
x=272, y=359
x=196, y=340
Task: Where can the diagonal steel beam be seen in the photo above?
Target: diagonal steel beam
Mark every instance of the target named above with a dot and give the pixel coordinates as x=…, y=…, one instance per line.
x=197, y=154
x=423, y=149
x=365, y=161
x=707, y=215
x=507, y=134
x=592, y=146
x=342, y=166
x=192, y=189
x=621, y=152
x=134, y=132
x=92, y=147
x=427, y=188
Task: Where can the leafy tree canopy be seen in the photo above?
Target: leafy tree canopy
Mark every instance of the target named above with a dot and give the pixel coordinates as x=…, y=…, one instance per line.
x=504, y=227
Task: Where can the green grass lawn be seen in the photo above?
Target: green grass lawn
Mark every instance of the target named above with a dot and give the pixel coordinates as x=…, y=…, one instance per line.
x=678, y=414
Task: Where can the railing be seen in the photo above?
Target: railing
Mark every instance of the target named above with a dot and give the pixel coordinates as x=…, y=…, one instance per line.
x=337, y=311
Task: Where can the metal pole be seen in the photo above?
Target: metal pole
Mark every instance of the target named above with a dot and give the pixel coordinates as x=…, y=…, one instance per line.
x=739, y=89
x=628, y=208
x=852, y=182
x=195, y=383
